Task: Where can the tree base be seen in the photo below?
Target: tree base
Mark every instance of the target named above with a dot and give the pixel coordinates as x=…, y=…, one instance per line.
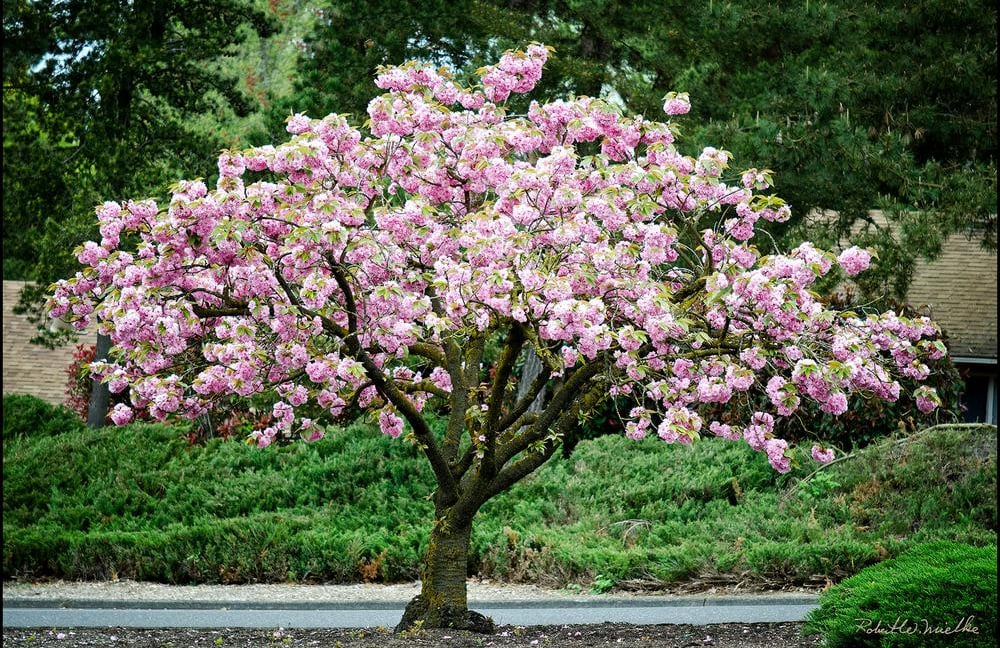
x=454, y=617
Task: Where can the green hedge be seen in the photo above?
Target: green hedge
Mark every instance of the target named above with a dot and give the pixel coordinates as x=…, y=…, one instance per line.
x=25, y=416
x=935, y=594
x=142, y=502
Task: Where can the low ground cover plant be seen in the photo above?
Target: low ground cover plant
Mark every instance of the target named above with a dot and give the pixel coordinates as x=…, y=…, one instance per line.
x=142, y=502
x=25, y=416
x=935, y=594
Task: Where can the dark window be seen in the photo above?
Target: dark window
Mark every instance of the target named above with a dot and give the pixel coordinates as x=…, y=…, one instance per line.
x=979, y=399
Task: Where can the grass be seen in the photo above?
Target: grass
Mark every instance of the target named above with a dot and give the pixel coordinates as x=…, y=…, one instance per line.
x=140, y=502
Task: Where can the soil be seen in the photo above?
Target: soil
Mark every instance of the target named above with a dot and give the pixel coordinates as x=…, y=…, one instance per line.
x=618, y=635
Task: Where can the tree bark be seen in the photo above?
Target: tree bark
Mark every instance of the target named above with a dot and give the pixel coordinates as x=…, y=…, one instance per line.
x=532, y=367
x=97, y=411
x=443, y=600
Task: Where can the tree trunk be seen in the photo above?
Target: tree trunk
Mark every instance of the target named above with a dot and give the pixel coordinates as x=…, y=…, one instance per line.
x=532, y=367
x=97, y=411
x=443, y=602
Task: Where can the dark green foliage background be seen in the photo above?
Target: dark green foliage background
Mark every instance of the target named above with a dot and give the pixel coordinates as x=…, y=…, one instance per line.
x=106, y=100
x=141, y=502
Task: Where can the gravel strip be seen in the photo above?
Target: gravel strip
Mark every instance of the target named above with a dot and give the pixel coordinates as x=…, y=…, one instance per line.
x=133, y=591
x=126, y=590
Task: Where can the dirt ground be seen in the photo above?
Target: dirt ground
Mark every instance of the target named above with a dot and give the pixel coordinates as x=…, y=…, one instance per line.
x=726, y=635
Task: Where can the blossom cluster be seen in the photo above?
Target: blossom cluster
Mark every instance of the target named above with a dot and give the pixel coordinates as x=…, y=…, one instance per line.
x=325, y=268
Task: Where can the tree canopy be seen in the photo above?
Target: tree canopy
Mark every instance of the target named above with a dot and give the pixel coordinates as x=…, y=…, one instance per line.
x=407, y=267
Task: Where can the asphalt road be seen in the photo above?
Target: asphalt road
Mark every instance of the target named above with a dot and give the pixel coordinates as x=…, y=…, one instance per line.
x=194, y=614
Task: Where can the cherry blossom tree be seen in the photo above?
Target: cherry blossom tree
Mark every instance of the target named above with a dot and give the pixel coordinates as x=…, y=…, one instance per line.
x=413, y=265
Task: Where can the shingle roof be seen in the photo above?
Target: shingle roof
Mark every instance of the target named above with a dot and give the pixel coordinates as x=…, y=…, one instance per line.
x=30, y=368
x=958, y=290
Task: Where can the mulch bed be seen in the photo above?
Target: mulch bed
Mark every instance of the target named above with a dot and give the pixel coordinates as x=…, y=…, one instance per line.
x=724, y=635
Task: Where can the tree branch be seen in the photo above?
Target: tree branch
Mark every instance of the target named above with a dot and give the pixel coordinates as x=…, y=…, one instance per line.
x=459, y=396
x=388, y=389
x=423, y=386
x=501, y=376
x=206, y=312
x=561, y=401
x=515, y=418
x=583, y=402
x=430, y=352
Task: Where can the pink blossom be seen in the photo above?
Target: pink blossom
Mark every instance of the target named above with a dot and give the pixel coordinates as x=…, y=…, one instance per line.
x=121, y=414
x=926, y=405
x=440, y=377
x=854, y=260
x=754, y=179
x=108, y=211
x=676, y=103
x=759, y=430
x=91, y=253
x=298, y=123
x=390, y=423
x=636, y=429
x=835, y=403
x=753, y=358
x=723, y=430
x=927, y=399
x=822, y=455
x=775, y=449
x=569, y=356
x=679, y=424
x=231, y=165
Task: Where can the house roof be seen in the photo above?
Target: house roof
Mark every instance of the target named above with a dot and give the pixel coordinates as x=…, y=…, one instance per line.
x=958, y=290
x=30, y=368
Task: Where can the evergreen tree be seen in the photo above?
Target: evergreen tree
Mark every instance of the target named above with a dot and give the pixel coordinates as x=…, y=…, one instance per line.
x=101, y=100
x=353, y=38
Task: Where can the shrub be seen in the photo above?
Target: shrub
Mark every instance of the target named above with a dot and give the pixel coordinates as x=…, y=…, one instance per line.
x=943, y=478
x=936, y=594
x=637, y=514
x=78, y=381
x=25, y=415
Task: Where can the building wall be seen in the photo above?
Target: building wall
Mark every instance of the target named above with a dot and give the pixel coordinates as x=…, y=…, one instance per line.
x=958, y=290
